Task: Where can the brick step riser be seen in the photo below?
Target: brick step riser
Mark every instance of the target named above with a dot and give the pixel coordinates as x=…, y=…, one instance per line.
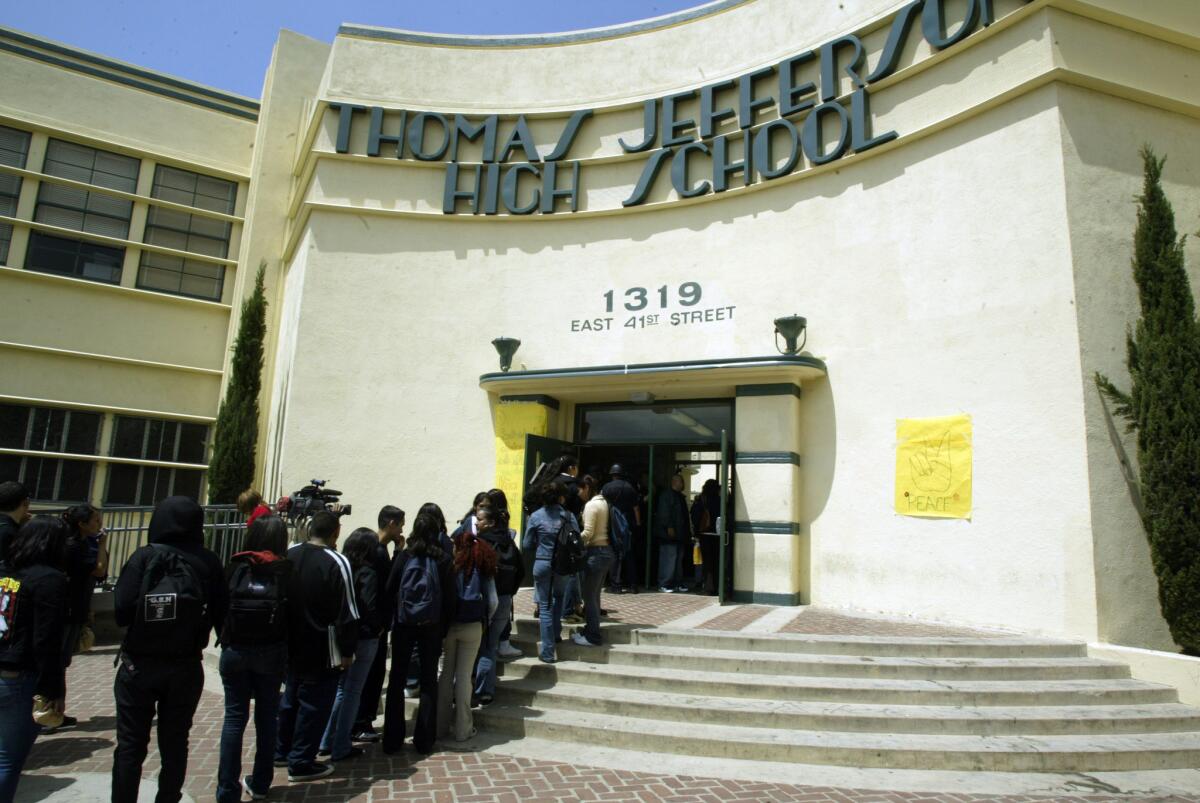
x=880, y=648
x=880, y=696
x=872, y=757
x=774, y=665
x=847, y=723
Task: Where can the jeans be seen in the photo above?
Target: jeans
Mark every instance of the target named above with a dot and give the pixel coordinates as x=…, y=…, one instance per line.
x=599, y=559
x=670, y=559
x=572, y=594
x=303, y=715
x=459, y=649
x=485, y=671
x=249, y=673
x=427, y=641
x=550, y=588
x=345, y=705
x=17, y=729
x=144, y=686
x=368, y=705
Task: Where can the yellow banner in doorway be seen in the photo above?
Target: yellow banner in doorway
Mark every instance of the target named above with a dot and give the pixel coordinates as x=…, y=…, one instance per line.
x=513, y=421
x=933, y=467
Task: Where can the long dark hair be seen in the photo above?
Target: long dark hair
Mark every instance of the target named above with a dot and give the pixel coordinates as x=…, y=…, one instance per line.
x=499, y=502
x=359, y=548
x=267, y=534
x=78, y=515
x=41, y=541
x=479, y=497
x=425, y=538
x=430, y=509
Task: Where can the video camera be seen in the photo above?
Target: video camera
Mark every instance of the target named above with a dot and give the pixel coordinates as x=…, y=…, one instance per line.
x=310, y=500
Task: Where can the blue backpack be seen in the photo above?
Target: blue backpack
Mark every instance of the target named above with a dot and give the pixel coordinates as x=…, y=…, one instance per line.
x=618, y=530
x=419, y=601
x=471, y=605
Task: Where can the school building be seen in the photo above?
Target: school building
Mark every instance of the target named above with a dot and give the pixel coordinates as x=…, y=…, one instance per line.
x=942, y=189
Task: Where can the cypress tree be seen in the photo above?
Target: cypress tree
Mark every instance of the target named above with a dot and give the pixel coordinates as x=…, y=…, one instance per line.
x=1163, y=406
x=231, y=469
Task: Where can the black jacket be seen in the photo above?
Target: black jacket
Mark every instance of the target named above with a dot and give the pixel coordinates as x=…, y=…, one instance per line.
x=445, y=579
x=507, y=555
x=79, y=567
x=8, y=531
x=178, y=522
x=321, y=607
x=366, y=594
x=38, y=622
x=382, y=562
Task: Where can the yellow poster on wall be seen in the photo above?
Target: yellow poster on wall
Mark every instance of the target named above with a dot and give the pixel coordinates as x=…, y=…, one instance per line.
x=933, y=467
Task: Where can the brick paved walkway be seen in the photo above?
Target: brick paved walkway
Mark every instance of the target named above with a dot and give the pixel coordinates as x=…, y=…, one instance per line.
x=461, y=777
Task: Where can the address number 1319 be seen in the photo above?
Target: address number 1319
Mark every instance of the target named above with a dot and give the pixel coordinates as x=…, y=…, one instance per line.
x=638, y=298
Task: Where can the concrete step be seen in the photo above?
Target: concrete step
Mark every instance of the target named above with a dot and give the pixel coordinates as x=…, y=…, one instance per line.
x=941, y=752
x=818, y=665
x=886, y=691
x=852, y=717
x=881, y=646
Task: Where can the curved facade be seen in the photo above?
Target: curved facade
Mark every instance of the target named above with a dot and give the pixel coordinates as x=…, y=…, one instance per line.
x=942, y=188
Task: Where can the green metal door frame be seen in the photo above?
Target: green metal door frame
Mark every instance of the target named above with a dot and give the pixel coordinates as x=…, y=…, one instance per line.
x=723, y=522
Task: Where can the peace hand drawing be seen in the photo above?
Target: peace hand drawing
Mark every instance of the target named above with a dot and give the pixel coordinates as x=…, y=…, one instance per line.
x=930, y=468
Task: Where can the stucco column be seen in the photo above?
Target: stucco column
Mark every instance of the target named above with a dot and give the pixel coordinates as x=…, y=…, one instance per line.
x=768, y=554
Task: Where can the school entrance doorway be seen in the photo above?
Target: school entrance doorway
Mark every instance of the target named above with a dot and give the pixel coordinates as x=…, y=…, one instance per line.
x=652, y=443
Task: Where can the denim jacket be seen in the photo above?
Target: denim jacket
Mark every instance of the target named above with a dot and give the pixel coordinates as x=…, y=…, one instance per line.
x=542, y=530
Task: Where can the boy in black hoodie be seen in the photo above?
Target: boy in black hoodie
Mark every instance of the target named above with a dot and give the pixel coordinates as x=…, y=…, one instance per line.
x=322, y=637
x=170, y=594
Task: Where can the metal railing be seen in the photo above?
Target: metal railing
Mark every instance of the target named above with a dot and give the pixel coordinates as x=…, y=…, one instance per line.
x=129, y=528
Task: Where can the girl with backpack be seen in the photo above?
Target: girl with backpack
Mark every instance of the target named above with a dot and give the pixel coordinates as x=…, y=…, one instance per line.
x=510, y=571
x=360, y=550
x=32, y=620
x=85, y=542
x=422, y=586
x=254, y=654
x=541, y=536
x=475, y=581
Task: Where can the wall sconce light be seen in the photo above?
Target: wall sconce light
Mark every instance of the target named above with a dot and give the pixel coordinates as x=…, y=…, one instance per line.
x=506, y=347
x=791, y=327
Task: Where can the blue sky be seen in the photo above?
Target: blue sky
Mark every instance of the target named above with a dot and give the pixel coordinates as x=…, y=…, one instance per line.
x=228, y=44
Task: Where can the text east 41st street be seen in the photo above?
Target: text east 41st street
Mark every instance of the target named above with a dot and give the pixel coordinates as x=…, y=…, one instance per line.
x=832, y=126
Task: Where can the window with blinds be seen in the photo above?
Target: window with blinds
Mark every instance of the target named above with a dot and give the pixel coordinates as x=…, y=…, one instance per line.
x=184, y=231
x=14, y=149
x=87, y=210
x=155, y=439
x=97, y=263
x=49, y=429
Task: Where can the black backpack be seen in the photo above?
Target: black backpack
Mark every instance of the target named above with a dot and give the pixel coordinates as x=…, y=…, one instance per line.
x=172, y=611
x=569, y=553
x=257, y=605
x=419, y=600
x=507, y=561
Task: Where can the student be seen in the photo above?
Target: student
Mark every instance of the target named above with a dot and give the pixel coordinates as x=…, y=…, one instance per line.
x=322, y=638
x=360, y=551
x=430, y=509
x=14, y=511
x=475, y=582
x=84, y=524
x=32, y=622
x=390, y=533
x=621, y=494
x=169, y=595
x=540, y=537
x=250, y=504
x=499, y=502
x=468, y=521
x=510, y=571
x=422, y=586
x=673, y=528
x=599, y=560
x=254, y=653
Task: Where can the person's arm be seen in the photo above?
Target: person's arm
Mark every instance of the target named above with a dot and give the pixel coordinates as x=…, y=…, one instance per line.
x=393, y=581
x=529, y=541
x=493, y=601
x=101, y=570
x=346, y=621
x=590, y=513
x=368, y=601
x=218, y=591
x=49, y=617
x=129, y=588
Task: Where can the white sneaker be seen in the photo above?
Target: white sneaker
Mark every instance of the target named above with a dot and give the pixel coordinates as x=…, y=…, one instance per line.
x=508, y=652
x=666, y=590
x=412, y=692
x=582, y=641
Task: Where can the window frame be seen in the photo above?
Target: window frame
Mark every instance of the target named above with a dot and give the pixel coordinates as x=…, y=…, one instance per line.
x=79, y=244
